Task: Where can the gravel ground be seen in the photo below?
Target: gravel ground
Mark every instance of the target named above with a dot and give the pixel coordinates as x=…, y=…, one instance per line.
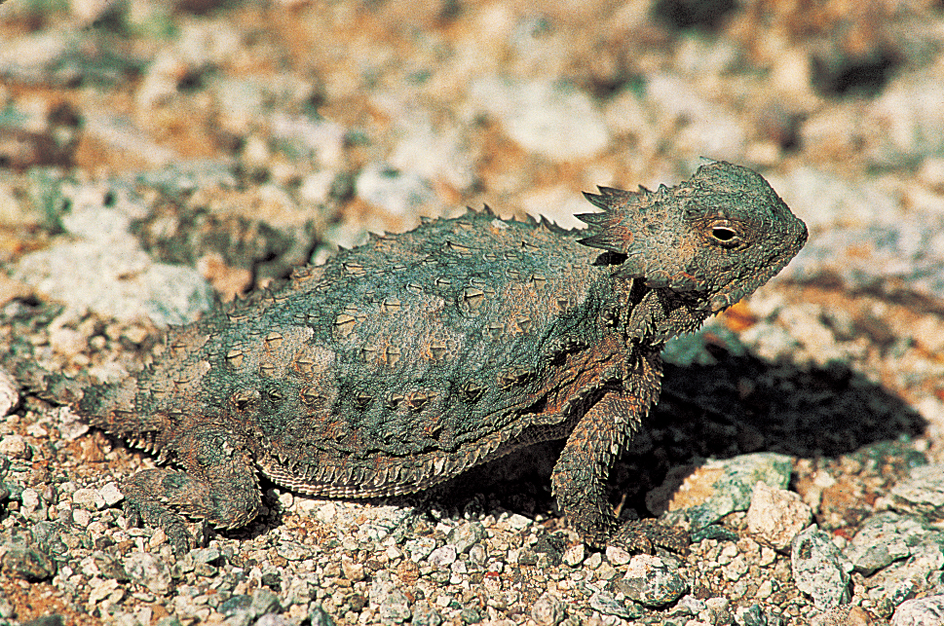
x=156, y=156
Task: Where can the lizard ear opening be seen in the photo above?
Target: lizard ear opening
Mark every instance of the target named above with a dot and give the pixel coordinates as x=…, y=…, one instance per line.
x=608, y=257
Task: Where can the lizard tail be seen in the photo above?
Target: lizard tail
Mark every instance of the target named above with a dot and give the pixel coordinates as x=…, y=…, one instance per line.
x=49, y=386
x=94, y=403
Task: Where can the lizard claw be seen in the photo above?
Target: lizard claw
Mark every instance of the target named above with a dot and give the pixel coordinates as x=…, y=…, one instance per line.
x=645, y=535
x=156, y=516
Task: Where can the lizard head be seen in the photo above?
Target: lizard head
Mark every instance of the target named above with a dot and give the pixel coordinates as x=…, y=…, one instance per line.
x=716, y=237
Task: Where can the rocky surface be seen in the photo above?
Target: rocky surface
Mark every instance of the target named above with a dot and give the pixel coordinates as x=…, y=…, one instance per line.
x=171, y=148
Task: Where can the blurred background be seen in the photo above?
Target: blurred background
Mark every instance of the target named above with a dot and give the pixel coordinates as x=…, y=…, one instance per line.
x=157, y=156
x=339, y=117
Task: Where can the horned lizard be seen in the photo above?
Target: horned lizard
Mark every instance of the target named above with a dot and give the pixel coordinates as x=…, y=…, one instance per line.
x=407, y=360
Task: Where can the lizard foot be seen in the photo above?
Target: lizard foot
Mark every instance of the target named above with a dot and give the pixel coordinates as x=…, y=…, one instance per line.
x=157, y=516
x=645, y=535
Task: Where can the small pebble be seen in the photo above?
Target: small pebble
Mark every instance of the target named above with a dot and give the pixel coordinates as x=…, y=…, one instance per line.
x=466, y=535
x=443, y=557
x=922, y=492
x=15, y=447
x=9, y=394
x=205, y=555
x=352, y=571
x=264, y=601
x=89, y=499
x=776, y=516
x=81, y=518
x=73, y=428
x=652, y=581
x=67, y=341
x=548, y=610
x=518, y=522
x=293, y=551
x=148, y=570
x=574, y=555
x=927, y=611
x=607, y=604
x=819, y=569
x=27, y=561
x=617, y=555
x=111, y=494
x=29, y=498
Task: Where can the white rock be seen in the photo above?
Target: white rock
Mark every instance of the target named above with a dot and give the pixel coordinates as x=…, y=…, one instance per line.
x=776, y=516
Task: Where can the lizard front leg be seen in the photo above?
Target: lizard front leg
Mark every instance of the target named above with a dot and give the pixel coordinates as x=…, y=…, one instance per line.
x=580, y=474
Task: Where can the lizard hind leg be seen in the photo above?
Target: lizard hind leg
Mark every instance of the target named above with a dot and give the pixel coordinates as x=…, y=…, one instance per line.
x=217, y=483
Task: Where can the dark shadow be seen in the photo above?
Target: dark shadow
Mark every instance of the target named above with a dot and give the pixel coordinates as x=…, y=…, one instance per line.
x=744, y=404
x=838, y=75
x=738, y=405
x=685, y=14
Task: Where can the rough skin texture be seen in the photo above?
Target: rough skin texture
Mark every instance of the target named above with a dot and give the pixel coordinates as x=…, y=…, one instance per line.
x=405, y=361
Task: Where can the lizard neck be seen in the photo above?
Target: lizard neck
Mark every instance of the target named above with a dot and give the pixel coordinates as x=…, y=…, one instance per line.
x=660, y=314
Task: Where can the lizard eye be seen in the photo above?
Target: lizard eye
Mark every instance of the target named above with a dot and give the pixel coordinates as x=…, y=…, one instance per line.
x=725, y=235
